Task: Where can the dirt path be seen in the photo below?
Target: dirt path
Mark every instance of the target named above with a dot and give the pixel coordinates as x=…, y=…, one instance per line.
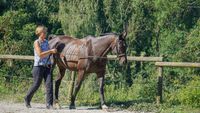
x=6, y=107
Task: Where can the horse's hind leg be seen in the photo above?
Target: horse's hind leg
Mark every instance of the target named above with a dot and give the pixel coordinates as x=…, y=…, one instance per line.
x=77, y=87
x=57, y=85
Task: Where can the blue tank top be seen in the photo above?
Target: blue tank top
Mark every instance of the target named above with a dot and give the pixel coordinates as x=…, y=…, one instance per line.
x=44, y=46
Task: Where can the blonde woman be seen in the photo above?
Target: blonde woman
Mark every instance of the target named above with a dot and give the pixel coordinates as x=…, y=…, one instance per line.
x=41, y=68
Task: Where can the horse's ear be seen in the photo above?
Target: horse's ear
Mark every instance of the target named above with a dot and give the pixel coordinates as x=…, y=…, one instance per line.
x=51, y=36
x=123, y=35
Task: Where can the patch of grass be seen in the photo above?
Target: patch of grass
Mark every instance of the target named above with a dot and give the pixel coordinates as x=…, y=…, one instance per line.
x=178, y=109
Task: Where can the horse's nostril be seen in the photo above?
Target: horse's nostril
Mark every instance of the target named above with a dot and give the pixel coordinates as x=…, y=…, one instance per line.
x=122, y=61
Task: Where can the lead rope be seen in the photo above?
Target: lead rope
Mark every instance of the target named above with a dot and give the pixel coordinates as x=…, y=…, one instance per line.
x=46, y=63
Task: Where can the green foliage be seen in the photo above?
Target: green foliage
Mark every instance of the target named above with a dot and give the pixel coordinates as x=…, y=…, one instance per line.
x=187, y=95
x=190, y=52
x=15, y=32
x=80, y=15
x=88, y=17
x=174, y=42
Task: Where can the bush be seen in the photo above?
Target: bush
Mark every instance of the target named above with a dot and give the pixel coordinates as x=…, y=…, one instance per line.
x=188, y=95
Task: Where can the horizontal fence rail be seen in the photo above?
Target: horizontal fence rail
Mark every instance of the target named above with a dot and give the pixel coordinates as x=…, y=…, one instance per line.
x=110, y=57
x=136, y=58
x=177, y=64
x=16, y=57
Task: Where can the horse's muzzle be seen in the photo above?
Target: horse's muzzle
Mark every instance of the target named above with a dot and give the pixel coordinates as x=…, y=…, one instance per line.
x=122, y=60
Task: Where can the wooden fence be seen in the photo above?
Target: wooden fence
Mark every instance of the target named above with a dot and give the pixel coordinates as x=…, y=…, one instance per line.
x=160, y=66
x=158, y=63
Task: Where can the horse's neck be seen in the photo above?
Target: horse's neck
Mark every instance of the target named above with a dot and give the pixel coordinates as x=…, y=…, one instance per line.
x=103, y=45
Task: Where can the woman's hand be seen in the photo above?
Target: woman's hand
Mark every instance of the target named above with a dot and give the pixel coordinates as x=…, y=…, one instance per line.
x=53, y=51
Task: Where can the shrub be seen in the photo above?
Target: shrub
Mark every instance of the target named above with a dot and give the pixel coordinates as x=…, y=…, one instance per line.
x=188, y=95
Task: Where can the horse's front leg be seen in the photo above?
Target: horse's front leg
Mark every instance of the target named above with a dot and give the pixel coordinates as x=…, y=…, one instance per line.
x=101, y=90
x=77, y=87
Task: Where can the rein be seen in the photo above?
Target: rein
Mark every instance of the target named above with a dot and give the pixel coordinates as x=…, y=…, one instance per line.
x=46, y=63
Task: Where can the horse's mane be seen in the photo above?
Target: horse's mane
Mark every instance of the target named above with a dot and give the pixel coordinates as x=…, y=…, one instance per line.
x=104, y=34
x=52, y=36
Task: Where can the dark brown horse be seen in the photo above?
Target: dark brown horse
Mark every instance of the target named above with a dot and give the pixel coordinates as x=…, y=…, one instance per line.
x=87, y=55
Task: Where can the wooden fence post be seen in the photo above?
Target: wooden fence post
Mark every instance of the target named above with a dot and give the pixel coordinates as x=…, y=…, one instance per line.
x=10, y=72
x=159, y=85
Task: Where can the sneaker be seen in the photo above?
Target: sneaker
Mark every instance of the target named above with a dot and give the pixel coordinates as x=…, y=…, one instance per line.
x=27, y=103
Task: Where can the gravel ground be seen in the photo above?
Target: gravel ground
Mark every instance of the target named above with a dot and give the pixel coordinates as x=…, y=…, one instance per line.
x=8, y=107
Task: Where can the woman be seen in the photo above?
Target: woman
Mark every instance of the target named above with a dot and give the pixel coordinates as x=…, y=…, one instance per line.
x=41, y=69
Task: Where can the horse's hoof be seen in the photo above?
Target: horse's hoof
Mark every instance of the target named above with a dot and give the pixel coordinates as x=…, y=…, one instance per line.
x=104, y=107
x=72, y=107
x=57, y=105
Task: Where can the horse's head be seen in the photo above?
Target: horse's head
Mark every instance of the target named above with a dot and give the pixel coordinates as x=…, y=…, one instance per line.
x=120, y=48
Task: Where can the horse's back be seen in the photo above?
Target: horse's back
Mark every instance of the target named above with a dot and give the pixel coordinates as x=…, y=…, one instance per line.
x=72, y=48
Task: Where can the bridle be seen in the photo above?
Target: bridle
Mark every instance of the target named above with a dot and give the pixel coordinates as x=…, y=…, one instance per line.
x=117, y=49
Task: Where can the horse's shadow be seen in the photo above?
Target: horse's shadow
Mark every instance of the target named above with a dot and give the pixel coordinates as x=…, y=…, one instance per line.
x=113, y=105
x=120, y=104
x=127, y=103
x=67, y=107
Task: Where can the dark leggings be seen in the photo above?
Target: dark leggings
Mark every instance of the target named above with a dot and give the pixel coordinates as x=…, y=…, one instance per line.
x=40, y=72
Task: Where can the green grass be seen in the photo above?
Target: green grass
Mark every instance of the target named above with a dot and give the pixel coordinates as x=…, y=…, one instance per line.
x=181, y=109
